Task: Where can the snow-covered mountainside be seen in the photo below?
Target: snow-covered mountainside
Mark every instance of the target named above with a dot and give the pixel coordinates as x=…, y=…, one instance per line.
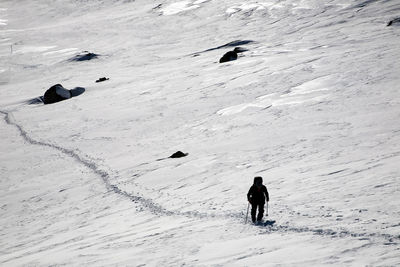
x=312, y=106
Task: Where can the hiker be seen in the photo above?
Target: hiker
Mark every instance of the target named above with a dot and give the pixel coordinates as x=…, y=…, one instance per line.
x=257, y=195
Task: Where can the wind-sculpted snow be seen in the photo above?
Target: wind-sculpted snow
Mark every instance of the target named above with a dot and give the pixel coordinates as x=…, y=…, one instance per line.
x=364, y=3
x=228, y=45
x=178, y=7
x=147, y=203
x=310, y=104
x=151, y=206
x=105, y=176
x=392, y=240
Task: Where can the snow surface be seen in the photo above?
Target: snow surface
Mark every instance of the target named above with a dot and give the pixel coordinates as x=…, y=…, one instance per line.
x=313, y=106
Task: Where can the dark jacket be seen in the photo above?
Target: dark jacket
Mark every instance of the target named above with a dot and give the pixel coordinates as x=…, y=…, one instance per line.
x=257, y=194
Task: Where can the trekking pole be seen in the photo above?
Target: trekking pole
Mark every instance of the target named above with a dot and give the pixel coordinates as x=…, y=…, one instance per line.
x=247, y=214
x=267, y=208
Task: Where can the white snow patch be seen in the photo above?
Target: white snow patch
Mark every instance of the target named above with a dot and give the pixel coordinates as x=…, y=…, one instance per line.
x=5, y=40
x=179, y=7
x=316, y=85
x=250, y=6
x=22, y=49
x=306, y=92
x=261, y=102
x=61, y=51
x=200, y=2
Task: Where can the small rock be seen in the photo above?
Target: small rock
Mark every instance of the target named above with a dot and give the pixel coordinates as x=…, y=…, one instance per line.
x=178, y=154
x=229, y=56
x=240, y=49
x=58, y=93
x=85, y=56
x=102, y=79
x=157, y=7
x=393, y=21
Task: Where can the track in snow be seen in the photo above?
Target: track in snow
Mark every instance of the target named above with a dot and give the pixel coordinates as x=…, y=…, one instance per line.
x=157, y=209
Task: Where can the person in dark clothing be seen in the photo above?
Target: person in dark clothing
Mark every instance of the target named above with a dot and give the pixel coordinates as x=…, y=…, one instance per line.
x=257, y=195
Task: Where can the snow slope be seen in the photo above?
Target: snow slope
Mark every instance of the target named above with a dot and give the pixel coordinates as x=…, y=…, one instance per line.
x=312, y=106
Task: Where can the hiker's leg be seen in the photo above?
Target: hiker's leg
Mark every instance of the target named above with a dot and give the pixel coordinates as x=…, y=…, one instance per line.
x=253, y=212
x=260, y=211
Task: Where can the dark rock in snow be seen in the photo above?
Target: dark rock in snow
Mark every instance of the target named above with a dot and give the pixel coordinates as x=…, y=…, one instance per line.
x=364, y=3
x=77, y=91
x=240, y=49
x=230, y=44
x=55, y=94
x=229, y=56
x=102, y=79
x=178, y=154
x=394, y=21
x=58, y=93
x=236, y=43
x=85, y=56
x=157, y=7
